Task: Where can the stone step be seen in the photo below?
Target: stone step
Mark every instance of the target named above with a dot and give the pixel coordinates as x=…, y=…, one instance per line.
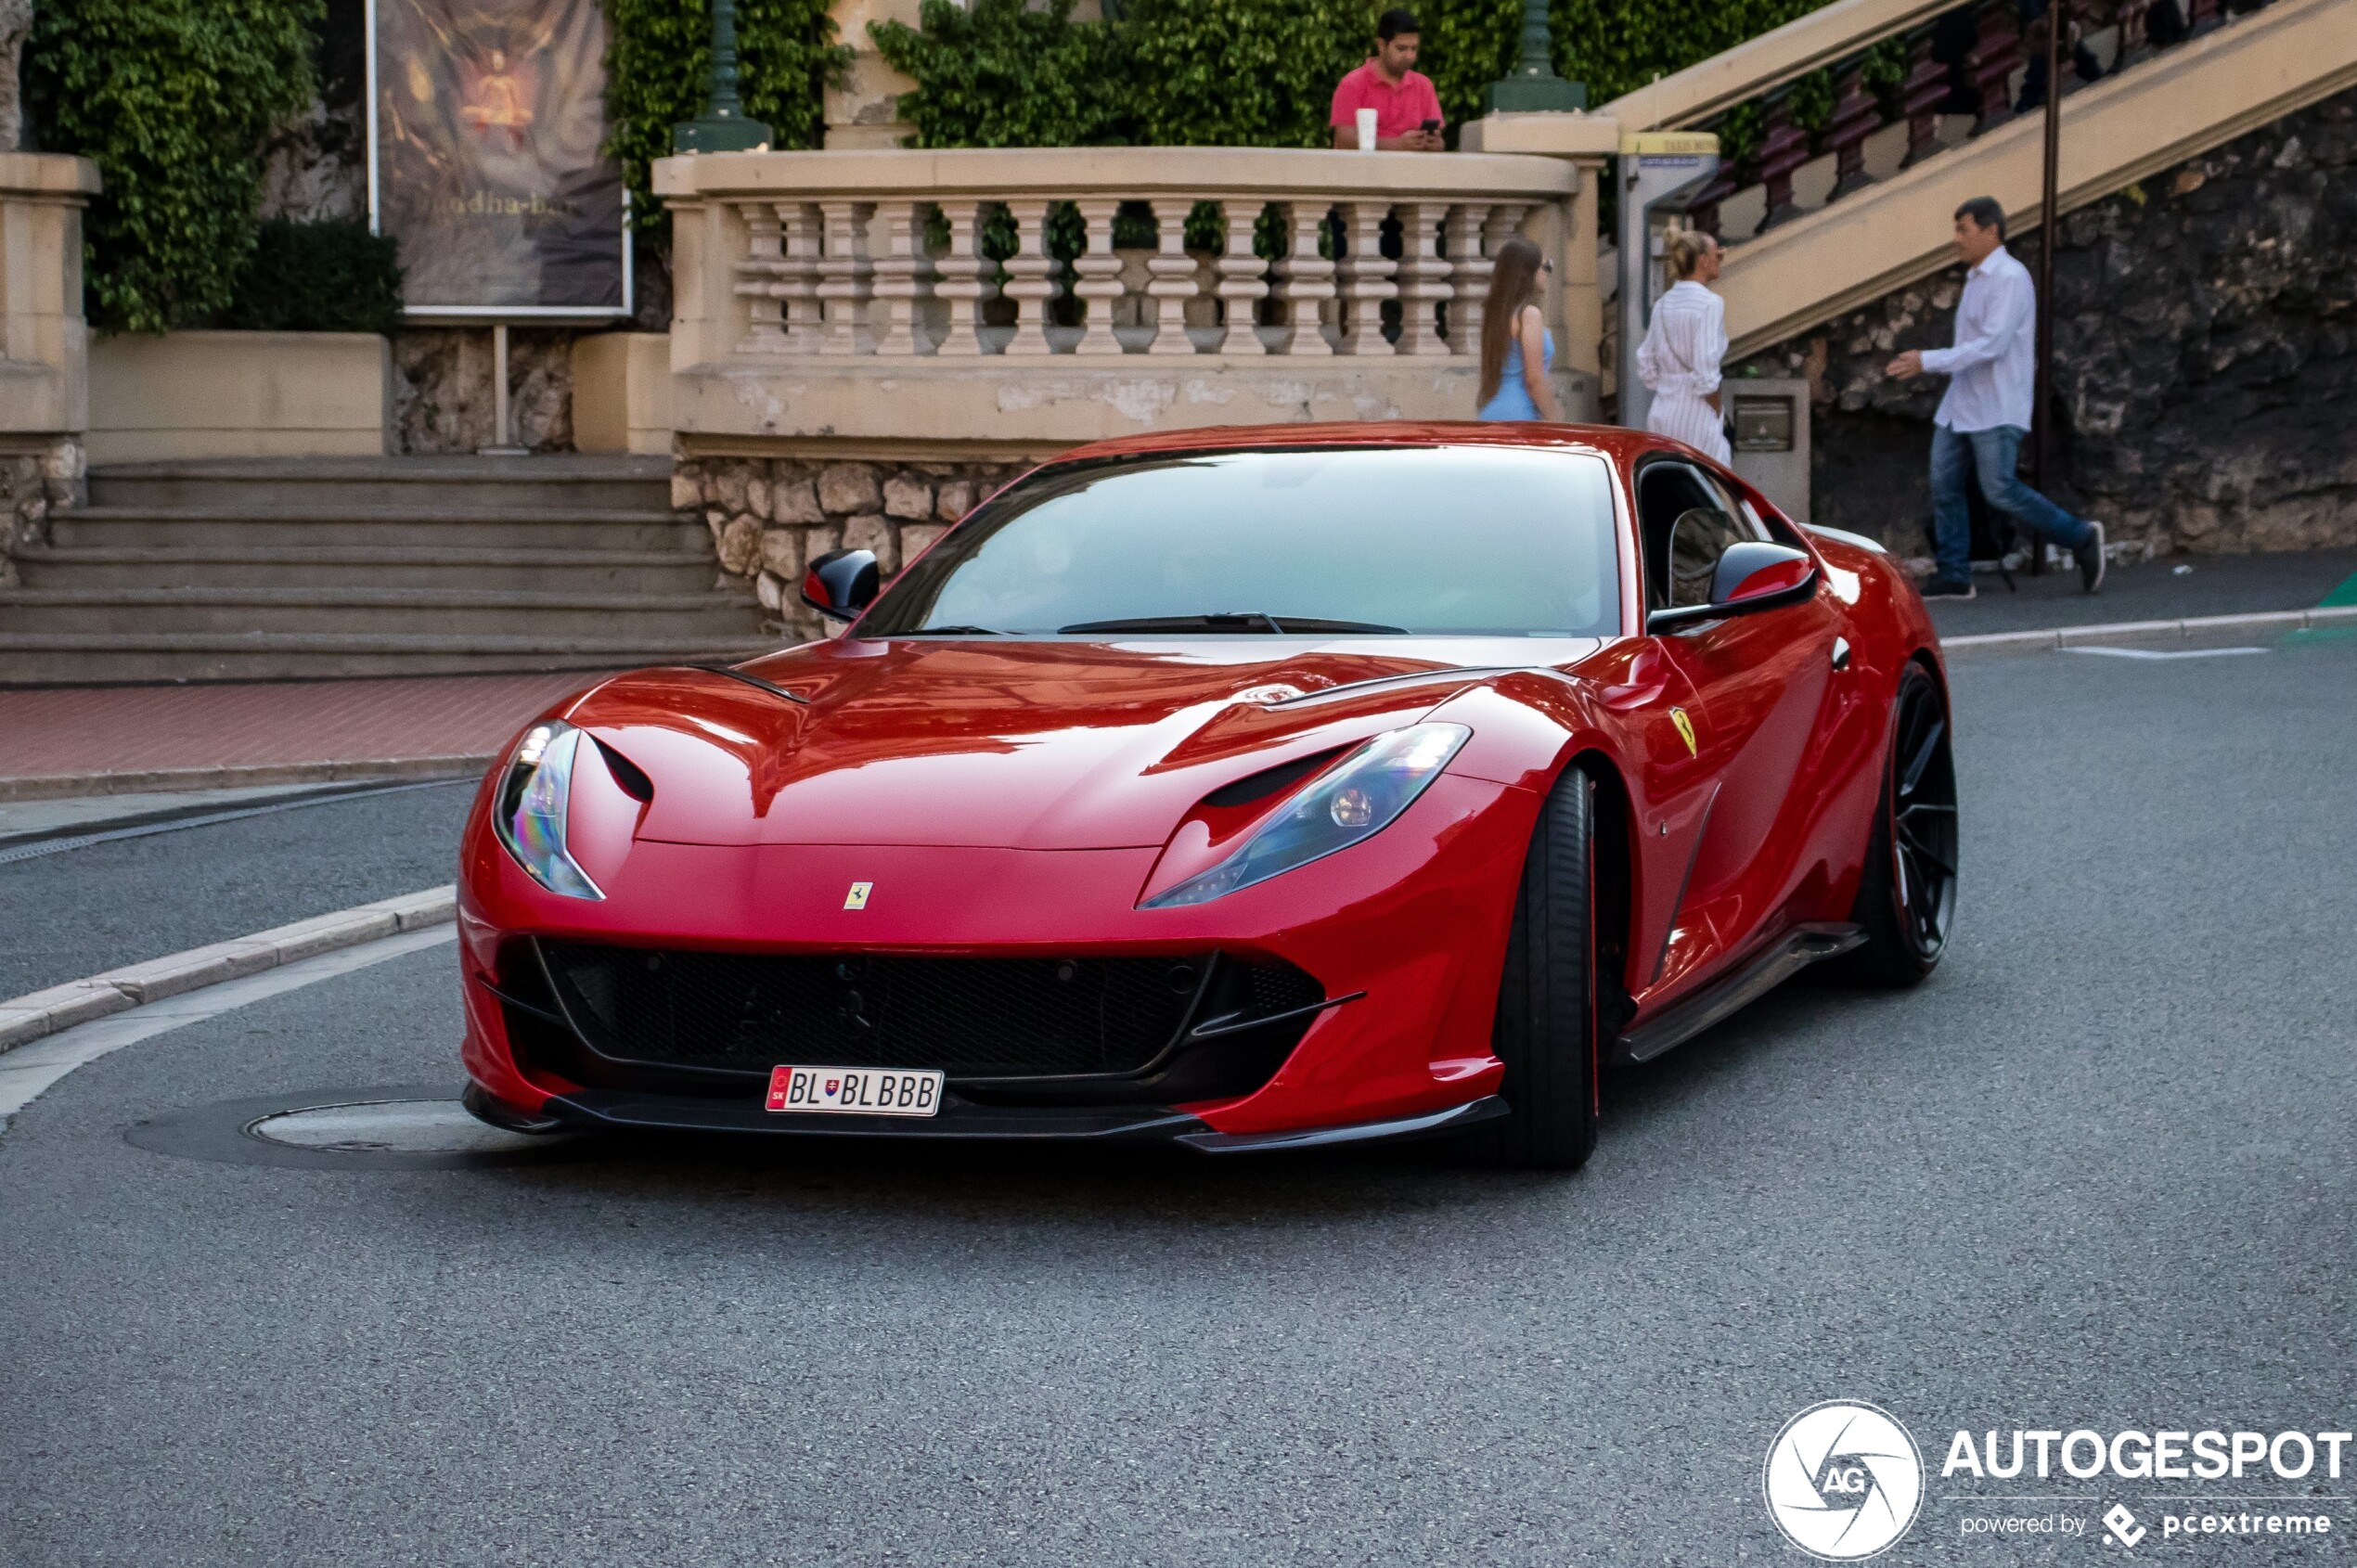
x=721, y=616
x=329, y=566
x=551, y=530
x=554, y=480
x=50, y=657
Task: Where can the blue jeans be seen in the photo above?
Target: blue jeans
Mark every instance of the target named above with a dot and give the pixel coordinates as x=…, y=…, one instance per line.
x=1993, y=454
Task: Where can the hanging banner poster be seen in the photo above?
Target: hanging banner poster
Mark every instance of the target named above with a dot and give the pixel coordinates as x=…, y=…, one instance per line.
x=485, y=120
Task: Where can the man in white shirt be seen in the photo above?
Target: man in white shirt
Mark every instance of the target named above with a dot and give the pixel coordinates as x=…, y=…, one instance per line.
x=1991, y=398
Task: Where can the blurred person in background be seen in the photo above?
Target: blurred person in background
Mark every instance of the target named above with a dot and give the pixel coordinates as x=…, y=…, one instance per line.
x=1678, y=360
x=1516, y=348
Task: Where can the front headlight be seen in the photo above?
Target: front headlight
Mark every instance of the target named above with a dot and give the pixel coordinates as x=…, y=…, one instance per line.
x=530, y=812
x=1356, y=798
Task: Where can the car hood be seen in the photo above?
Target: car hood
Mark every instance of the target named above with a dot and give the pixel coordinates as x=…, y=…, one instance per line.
x=1028, y=745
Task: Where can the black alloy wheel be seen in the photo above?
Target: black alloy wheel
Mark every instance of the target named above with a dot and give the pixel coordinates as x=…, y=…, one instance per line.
x=1907, y=898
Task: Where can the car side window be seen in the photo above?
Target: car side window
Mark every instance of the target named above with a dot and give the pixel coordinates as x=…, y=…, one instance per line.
x=1696, y=541
x=1666, y=494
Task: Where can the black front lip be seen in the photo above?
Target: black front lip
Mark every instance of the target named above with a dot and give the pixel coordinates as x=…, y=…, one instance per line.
x=964, y=1121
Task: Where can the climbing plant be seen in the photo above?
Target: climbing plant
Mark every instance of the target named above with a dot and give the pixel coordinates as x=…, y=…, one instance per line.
x=172, y=100
x=656, y=64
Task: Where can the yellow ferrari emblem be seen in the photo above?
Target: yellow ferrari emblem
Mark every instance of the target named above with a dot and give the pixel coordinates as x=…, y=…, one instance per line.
x=1685, y=730
x=858, y=897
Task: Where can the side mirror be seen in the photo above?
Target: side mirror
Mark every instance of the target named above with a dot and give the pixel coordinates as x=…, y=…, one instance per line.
x=1755, y=570
x=1751, y=574
x=840, y=584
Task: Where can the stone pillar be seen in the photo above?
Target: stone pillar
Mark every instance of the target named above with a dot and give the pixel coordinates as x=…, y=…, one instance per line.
x=865, y=111
x=44, y=343
x=1566, y=231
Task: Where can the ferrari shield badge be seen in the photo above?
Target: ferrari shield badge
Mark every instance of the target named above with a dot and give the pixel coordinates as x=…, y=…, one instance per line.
x=858, y=897
x=1685, y=730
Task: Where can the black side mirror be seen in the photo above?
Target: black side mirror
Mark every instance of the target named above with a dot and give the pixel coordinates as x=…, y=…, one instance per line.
x=1750, y=574
x=840, y=584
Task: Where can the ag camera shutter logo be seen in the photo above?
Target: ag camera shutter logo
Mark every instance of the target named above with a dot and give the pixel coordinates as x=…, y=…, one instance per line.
x=1843, y=1481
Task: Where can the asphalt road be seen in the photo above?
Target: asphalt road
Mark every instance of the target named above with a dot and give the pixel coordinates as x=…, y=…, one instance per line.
x=2098, y=1173
x=79, y=911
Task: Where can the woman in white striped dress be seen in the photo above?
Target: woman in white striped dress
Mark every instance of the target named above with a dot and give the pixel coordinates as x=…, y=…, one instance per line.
x=1678, y=360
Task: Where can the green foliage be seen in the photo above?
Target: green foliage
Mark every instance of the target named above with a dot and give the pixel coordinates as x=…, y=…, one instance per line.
x=1615, y=45
x=1262, y=72
x=656, y=65
x=1005, y=75
x=170, y=98
x=1242, y=73
x=319, y=278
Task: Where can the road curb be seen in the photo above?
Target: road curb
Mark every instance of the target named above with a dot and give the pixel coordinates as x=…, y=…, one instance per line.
x=386, y=770
x=2117, y=632
x=29, y=1018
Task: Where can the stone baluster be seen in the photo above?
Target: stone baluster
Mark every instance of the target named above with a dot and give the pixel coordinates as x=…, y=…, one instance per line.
x=801, y=233
x=1855, y=117
x=1366, y=278
x=962, y=267
x=1782, y=151
x=1100, y=279
x=1173, y=276
x=904, y=275
x=846, y=274
x=1920, y=96
x=2134, y=44
x=1996, y=55
x=1424, y=277
x=1469, y=270
x=1702, y=211
x=1031, y=279
x=1306, y=277
x=1242, y=279
x=756, y=279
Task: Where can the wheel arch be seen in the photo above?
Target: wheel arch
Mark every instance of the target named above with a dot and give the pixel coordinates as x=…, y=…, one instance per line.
x=1616, y=883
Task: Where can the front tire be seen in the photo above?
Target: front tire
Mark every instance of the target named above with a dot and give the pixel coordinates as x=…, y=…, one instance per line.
x=1545, y=1031
x=1907, y=895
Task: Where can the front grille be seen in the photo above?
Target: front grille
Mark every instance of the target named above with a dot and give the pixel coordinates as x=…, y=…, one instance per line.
x=972, y=1017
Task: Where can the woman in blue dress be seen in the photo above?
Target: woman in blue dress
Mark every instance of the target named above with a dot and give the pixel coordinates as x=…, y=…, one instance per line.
x=1516, y=349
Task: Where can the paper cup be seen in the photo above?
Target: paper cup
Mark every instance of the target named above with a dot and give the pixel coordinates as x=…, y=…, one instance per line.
x=1366, y=130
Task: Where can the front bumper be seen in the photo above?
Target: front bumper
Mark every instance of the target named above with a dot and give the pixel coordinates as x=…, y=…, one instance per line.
x=1413, y=922
x=962, y=1122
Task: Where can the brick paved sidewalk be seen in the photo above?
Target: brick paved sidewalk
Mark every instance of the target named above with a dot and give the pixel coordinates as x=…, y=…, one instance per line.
x=109, y=739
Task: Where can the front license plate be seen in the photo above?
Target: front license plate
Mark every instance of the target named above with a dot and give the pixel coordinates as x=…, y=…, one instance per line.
x=855, y=1091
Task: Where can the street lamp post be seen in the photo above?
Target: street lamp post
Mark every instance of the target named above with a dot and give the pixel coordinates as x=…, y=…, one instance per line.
x=723, y=126
x=1533, y=85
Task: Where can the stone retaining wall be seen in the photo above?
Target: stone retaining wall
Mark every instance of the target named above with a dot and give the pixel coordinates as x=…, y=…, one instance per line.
x=769, y=516
x=2205, y=353
x=33, y=485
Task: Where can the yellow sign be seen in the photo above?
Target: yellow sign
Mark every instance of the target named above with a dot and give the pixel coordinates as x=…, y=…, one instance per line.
x=1655, y=144
x=1685, y=730
x=858, y=897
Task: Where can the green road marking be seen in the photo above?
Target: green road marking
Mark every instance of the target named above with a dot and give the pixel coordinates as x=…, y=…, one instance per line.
x=2344, y=595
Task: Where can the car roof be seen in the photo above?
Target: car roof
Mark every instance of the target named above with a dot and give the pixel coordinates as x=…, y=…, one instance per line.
x=1609, y=441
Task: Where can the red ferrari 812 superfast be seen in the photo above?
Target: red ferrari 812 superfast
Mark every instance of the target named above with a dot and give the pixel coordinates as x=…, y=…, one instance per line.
x=1245, y=790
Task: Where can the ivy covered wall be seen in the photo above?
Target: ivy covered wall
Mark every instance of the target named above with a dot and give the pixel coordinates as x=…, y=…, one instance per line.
x=1231, y=73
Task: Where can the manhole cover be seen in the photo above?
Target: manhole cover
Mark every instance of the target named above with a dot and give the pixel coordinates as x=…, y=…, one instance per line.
x=376, y=1126
x=392, y=1126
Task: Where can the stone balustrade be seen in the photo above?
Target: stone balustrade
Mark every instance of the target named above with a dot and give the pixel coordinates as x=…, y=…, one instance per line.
x=44, y=344
x=986, y=302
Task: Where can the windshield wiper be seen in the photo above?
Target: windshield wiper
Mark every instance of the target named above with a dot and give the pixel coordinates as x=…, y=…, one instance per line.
x=955, y=632
x=1237, y=620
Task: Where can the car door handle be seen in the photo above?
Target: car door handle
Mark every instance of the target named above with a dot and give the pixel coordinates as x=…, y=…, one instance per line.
x=1841, y=653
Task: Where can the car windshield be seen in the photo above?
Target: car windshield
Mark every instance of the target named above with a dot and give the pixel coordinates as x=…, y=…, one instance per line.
x=1435, y=540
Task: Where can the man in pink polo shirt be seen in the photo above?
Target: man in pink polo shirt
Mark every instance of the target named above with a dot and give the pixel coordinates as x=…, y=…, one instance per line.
x=1407, y=109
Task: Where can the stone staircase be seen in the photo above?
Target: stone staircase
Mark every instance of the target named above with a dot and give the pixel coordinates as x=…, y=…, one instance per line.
x=287, y=568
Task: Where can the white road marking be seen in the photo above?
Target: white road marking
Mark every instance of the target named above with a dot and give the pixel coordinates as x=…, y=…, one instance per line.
x=2166, y=653
x=27, y=1071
